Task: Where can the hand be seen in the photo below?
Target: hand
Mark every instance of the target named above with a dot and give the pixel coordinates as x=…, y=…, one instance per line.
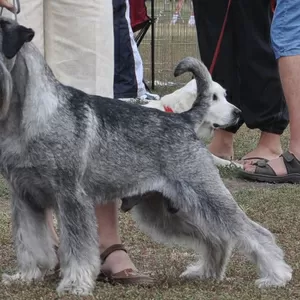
x=7, y=5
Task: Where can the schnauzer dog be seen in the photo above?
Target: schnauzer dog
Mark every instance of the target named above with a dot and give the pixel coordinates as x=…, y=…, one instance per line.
x=61, y=148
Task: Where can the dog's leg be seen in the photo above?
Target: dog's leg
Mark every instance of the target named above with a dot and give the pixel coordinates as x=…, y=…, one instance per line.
x=259, y=245
x=154, y=218
x=207, y=212
x=33, y=243
x=220, y=162
x=212, y=264
x=220, y=219
x=79, y=249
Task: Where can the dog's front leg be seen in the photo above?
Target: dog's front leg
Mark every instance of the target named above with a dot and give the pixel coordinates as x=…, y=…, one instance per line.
x=33, y=243
x=79, y=248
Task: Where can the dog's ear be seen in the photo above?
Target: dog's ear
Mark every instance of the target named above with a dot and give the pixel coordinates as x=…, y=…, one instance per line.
x=13, y=38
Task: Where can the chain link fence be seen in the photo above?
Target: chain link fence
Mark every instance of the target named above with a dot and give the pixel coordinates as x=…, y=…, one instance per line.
x=175, y=38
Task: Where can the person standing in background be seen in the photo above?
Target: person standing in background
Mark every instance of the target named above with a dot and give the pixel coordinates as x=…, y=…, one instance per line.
x=246, y=67
x=129, y=71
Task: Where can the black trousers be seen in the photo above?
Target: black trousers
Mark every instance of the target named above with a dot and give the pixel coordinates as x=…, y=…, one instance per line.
x=246, y=65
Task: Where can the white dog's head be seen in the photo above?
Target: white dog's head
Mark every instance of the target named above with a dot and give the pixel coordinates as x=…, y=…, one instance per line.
x=221, y=113
x=203, y=99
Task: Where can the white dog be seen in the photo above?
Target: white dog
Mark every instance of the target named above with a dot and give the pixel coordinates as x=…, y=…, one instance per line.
x=182, y=100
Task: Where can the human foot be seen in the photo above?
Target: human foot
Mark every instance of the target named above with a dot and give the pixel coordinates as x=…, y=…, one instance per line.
x=268, y=148
x=117, y=267
x=260, y=153
x=285, y=169
x=114, y=261
x=276, y=164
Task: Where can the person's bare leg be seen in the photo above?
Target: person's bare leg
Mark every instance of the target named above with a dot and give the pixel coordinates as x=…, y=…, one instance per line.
x=107, y=218
x=222, y=144
x=269, y=147
x=289, y=69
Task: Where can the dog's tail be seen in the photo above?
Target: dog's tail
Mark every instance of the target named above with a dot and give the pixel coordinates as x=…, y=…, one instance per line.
x=203, y=79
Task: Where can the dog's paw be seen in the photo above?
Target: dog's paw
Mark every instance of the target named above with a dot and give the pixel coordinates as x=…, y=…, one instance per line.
x=188, y=274
x=280, y=278
x=193, y=272
x=74, y=288
x=200, y=271
x=23, y=277
x=81, y=283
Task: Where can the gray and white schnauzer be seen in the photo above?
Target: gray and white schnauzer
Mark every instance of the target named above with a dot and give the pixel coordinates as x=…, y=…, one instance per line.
x=61, y=148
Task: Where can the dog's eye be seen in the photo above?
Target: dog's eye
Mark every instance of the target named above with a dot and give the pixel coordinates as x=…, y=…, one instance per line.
x=215, y=97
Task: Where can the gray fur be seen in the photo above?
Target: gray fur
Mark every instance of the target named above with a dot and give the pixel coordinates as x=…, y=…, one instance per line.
x=61, y=148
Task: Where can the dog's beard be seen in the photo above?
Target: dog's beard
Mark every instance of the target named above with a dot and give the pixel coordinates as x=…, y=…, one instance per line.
x=205, y=131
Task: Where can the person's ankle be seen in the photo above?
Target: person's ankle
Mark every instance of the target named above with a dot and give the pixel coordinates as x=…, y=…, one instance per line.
x=118, y=261
x=222, y=144
x=270, y=143
x=295, y=150
x=107, y=244
x=269, y=150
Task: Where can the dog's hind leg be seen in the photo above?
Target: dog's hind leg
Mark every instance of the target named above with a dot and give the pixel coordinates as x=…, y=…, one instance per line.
x=33, y=243
x=208, y=214
x=258, y=244
x=221, y=219
x=154, y=217
x=212, y=264
x=79, y=249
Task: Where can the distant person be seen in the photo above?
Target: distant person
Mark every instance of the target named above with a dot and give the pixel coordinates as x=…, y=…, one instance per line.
x=177, y=15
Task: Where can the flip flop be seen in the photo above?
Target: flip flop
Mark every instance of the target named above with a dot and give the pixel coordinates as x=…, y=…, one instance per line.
x=264, y=173
x=126, y=276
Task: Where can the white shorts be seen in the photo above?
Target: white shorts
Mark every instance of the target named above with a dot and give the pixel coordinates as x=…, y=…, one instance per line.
x=76, y=38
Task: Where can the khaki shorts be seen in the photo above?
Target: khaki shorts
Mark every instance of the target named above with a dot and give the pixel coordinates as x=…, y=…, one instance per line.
x=76, y=38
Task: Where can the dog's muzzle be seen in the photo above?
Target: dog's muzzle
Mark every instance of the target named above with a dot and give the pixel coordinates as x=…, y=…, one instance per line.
x=236, y=115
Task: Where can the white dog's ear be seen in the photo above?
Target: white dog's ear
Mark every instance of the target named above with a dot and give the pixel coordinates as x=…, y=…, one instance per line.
x=13, y=37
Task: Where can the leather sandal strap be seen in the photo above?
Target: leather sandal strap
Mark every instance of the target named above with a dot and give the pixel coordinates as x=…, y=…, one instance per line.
x=292, y=164
x=110, y=250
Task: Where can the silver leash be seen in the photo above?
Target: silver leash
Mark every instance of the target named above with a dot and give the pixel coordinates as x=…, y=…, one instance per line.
x=17, y=10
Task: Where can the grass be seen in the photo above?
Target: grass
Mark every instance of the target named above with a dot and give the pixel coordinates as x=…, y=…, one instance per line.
x=277, y=207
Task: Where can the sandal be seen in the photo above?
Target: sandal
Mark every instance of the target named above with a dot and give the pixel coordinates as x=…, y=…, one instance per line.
x=264, y=173
x=243, y=160
x=127, y=276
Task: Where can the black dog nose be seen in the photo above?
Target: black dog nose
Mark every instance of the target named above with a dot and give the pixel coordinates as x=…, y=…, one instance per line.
x=237, y=112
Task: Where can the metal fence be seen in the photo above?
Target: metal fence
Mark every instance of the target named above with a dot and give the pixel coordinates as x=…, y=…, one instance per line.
x=175, y=38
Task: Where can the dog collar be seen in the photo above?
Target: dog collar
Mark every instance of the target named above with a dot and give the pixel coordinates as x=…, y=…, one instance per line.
x=168, y=109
